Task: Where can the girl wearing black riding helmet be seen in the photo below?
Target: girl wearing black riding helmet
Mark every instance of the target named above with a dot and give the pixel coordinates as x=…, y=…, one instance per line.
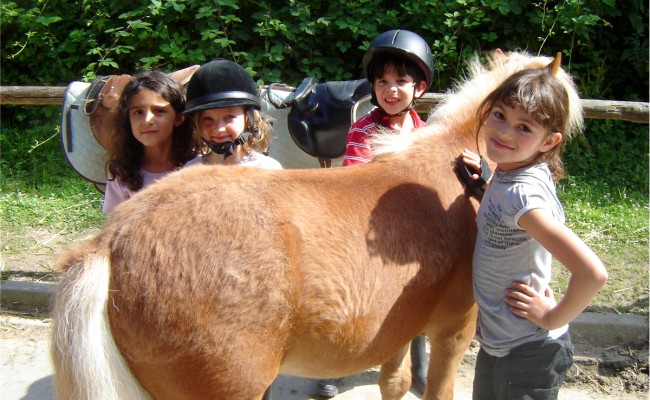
x=223, y=100
x=399, y=67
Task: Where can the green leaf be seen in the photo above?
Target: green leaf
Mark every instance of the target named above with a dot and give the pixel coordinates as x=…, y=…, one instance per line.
x=228, y=3
x=139, y=24
x=45, y=21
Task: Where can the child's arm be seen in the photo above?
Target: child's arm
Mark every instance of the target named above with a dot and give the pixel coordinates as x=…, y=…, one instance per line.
x=588, y=274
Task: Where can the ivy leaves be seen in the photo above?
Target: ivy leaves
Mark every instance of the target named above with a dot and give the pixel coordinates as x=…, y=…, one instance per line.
x=52, y=42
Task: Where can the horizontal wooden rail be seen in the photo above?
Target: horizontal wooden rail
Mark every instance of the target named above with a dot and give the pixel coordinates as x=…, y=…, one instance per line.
x=32, y=95
x=638, y=112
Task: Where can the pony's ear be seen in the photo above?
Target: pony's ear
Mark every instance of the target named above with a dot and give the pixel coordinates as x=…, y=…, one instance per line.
x=554, y=66
x=498, y=53
x=183, y=76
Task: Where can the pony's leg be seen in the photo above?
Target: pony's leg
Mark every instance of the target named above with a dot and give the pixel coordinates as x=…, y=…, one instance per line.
x=448, y=347
x=419, y=363
x=395, y=375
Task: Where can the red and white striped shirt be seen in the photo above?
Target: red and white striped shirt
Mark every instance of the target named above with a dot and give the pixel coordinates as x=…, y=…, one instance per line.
x=358, y=148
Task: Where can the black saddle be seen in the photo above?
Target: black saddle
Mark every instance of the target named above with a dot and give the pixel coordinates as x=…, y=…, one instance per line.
x=319, y=119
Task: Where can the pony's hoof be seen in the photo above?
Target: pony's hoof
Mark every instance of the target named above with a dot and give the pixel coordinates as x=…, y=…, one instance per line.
x=327, y=388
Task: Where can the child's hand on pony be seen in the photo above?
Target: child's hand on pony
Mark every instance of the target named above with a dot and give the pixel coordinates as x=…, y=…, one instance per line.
x=475, y=171
x=473, y=160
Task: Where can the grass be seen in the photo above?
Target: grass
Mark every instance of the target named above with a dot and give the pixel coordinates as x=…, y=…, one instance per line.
x=37, y=188
x=614, y=223
x=41, y=198
x=75, y=208
x=44, y=205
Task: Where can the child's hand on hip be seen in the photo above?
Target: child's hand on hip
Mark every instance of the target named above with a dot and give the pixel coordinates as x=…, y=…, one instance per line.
x=525, y=302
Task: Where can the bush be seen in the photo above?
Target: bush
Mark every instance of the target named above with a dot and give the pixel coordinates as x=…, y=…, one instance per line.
x=285, y=40
x=612, y=152
x=605, y=46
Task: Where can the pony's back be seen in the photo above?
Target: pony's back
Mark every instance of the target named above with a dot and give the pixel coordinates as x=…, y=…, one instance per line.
x=458, y=108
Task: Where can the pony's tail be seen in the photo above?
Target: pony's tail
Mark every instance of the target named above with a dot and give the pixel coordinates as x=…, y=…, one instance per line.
x=87, y=363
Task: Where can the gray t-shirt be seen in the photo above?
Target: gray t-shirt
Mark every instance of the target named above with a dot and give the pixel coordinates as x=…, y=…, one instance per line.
x=505, y=253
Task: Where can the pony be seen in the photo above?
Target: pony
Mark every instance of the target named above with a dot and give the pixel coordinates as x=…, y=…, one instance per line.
x=214, y=280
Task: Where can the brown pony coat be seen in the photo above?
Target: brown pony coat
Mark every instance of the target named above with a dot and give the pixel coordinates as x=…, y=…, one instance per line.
x=223, y=277
x=301, y=275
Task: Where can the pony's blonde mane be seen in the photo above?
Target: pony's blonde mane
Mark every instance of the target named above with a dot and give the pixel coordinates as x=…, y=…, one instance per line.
x=457, y=111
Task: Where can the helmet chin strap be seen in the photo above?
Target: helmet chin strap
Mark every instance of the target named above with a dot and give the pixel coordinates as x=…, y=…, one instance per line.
x=226, y=148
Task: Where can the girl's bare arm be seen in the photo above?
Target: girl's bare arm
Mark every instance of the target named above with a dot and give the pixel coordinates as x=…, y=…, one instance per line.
x=588, y=274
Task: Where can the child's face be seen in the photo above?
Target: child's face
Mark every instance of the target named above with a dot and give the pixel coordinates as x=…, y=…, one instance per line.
x=153, y=119
x=221, y=125
x=394, y=92
x=514, y=138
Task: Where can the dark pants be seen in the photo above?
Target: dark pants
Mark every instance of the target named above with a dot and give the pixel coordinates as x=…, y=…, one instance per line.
x=533, y=371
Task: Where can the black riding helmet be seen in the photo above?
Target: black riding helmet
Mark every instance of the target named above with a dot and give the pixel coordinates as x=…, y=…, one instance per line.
x=402, y=44
x=222, y=83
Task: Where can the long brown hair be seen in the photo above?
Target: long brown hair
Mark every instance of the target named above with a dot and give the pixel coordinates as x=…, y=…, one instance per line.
x=127, y=151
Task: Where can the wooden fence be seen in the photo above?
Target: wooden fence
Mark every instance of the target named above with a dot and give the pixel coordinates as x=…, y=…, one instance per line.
x=595, y=109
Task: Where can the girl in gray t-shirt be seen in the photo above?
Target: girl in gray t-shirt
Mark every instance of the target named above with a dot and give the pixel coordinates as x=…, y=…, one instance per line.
x=525, y=346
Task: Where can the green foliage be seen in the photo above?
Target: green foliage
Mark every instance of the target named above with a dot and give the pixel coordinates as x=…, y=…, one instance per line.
x=612, y=218
x=69, y=207
x=53, y=42
x=612, y=152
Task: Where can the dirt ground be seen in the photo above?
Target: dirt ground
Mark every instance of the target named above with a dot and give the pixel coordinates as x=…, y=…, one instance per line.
x=616, y=372
x=26, y=373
